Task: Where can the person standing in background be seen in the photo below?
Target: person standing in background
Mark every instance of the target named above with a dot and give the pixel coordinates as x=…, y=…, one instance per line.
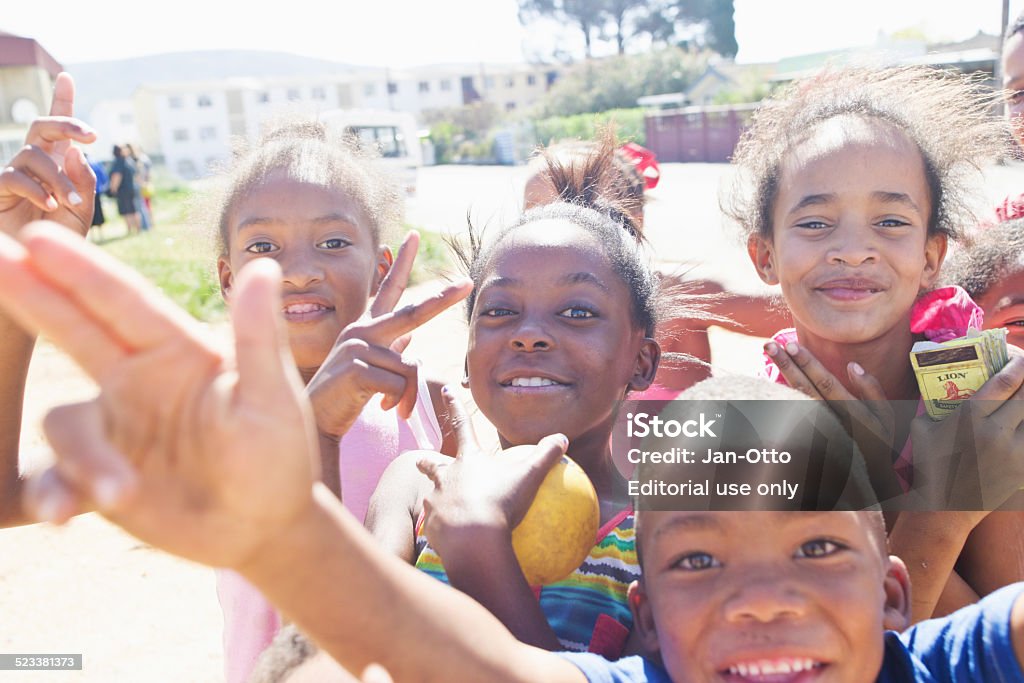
x=143, y=185
x=122, y=186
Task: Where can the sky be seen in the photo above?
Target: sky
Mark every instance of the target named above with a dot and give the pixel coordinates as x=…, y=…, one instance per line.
x=401, y=33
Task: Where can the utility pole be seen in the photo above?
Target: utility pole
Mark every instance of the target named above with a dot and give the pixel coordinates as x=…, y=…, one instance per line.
x=997, y=72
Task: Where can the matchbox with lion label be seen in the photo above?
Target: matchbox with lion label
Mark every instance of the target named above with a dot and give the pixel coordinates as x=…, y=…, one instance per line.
x=955, y=370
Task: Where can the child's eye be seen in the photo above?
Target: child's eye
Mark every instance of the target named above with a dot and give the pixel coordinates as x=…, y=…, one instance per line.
x=260, y=248
x=333, y=243
x=1015, y=97
x=819, y=547
x=892, y=223
x=813, y=225
x=497, y=312
x=696, y=562
x=577, y=313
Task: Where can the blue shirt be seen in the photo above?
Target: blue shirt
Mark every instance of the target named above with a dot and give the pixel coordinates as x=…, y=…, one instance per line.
x=972, y=644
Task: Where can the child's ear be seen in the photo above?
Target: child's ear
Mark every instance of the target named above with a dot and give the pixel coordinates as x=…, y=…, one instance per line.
x=384, y=261
x=762, y=255
x=897, y=596
x=643, y=618
x=934, y=255
x=226, y=277
x=646, y=367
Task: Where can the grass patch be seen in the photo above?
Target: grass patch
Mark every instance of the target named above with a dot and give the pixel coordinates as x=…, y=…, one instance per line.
x=433, y=260
x=177, y=259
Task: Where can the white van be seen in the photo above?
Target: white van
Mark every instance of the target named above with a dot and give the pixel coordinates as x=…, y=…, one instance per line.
x=393, y=133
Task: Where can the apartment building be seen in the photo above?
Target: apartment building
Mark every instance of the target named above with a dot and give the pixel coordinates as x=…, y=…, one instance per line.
x=192, y=126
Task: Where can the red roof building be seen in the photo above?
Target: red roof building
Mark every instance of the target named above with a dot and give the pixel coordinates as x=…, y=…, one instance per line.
x=19, y=51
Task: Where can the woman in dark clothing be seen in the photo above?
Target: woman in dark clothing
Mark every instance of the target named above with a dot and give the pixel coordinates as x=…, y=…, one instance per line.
x=122, y=186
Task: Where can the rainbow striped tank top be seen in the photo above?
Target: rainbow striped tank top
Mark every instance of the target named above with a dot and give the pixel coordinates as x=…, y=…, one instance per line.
x=587, y=610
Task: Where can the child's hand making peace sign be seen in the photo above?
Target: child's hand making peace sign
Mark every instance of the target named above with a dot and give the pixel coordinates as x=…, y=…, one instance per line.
x=367, y=357
x=49, y=178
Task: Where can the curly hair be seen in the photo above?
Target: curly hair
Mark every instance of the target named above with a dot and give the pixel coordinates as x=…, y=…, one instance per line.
x=992, y=254
x=948, y=116
x=309, y=152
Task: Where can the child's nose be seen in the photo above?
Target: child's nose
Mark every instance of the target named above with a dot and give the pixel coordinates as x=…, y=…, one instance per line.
x=852, y=250
x=300, y=272
x=765, y=599
x=531, y=336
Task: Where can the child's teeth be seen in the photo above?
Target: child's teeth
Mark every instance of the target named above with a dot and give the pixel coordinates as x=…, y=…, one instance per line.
x=303, y=308
x=532, y=382
x=769, y=668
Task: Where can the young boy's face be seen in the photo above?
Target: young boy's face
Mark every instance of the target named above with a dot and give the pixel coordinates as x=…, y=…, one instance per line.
x=779, y=596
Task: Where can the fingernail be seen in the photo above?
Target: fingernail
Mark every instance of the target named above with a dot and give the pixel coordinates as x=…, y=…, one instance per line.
x=792, y=348
x=857, y=369
x=564, y=440
x=446, y=391
x=771, y=348
x=74, y=198
x=51, y=203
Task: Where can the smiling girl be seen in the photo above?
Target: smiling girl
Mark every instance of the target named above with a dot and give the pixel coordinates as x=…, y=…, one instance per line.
x=854, y=181
x=561, y=329
x=318, y=206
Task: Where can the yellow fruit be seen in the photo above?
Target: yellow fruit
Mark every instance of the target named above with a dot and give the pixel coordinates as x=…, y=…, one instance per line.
x=560, y=528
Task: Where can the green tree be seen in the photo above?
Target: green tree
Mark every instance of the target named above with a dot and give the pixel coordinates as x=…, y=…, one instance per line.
x=585, y=14
x=457, y=130
x=617, y=82
x=666, y=20
x=621, y=16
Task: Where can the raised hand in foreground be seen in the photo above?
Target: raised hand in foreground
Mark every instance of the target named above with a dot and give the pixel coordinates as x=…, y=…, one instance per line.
x=212, y=457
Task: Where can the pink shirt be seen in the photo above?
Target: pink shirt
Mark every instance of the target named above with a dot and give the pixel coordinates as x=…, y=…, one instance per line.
x=377, y=438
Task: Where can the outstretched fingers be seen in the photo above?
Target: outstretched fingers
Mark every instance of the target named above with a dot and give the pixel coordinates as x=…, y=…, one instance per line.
x=37, y=305
x=47, y=131
x=34, y=175
x=86, y=460
x=88, y=303
x=62, y=104
x=262, y=353
x=804, y=373
x=397, y=279
x=384, y=329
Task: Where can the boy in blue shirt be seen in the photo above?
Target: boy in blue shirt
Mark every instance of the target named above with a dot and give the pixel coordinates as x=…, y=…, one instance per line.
x=218, y=466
